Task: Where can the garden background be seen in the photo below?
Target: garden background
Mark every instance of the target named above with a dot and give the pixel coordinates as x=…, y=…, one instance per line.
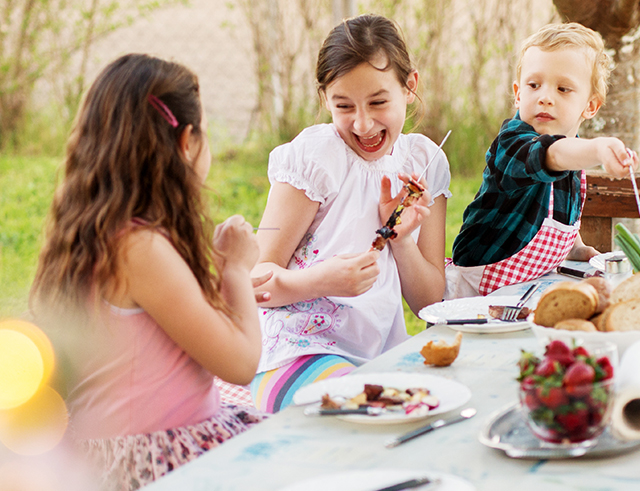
x=255, y=60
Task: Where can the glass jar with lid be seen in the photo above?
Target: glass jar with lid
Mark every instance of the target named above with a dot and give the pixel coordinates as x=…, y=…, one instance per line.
x=616, y=270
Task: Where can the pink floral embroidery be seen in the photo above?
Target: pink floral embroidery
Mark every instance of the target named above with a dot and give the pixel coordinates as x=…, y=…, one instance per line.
x=304, y=256
x=305, y=323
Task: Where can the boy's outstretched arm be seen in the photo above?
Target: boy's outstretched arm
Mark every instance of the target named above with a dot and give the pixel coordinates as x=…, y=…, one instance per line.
x=584, y=153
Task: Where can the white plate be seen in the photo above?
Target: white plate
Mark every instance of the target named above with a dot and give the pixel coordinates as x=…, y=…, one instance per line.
x=598, y=261
x=450, y=393
x=372, y=479
x=470, y=308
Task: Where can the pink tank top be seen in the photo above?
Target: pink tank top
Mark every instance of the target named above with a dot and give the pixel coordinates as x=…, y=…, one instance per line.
x=137, y=380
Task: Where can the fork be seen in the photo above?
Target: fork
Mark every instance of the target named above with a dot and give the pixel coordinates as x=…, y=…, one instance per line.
x=511, y=313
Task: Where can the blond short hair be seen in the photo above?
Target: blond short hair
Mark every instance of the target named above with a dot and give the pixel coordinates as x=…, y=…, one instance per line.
x=573, y=35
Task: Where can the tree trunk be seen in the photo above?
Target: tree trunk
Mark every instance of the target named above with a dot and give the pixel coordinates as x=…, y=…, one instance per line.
x=617, y=22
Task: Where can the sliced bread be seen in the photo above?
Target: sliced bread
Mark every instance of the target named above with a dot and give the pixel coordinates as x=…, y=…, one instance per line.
x=566, y=300
x=603, y=287
x=622, y=316
x=627, y=290
x=576, y=325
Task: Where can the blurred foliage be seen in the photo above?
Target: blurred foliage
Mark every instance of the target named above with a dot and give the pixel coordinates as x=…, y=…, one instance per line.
x=238, y=185
x=51, y=40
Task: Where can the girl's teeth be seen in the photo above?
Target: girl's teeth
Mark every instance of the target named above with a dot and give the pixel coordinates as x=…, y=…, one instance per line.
x=362, y=140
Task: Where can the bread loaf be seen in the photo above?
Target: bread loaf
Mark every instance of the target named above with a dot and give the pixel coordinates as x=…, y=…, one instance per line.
x=566, y=300
x=627, y=290
x=603, y=287
x=597, y=320
x=576, y=325
x=622, y=316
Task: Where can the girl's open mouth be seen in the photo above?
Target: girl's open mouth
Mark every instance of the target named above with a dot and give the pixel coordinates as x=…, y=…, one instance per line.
x=373, y=143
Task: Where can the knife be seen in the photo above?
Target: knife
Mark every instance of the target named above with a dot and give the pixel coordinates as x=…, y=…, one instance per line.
x=432, y=319
x=576, y=273
x=464, y=414
x=410, y=484
x=366, y=410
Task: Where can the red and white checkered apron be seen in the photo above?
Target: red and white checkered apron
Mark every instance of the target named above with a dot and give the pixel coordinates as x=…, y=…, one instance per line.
x=548, y=248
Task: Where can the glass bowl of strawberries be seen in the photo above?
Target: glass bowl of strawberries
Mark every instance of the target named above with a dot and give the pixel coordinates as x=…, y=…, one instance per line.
x=567, y=394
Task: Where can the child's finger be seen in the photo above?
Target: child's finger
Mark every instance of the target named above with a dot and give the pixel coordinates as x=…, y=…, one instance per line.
x=261, y=280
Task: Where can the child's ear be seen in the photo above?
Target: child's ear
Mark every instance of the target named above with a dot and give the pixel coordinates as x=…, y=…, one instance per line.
x=323, y=96
x=592, y=108
x=186, y=143
x=412, y=84
x=516, y=94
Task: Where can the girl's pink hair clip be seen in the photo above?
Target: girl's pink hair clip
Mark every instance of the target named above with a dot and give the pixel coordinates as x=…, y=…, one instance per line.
x=164, y=111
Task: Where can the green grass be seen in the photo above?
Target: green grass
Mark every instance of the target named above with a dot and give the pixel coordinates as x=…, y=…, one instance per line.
x=238, y=183
x=26, y=188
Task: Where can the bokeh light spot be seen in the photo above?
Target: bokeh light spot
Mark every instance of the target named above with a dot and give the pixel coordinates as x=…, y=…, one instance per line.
x=36, y=426
x=39, y=338
x=21, y=368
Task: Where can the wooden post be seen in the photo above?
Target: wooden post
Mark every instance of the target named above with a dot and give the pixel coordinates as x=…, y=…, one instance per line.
x=607, y=198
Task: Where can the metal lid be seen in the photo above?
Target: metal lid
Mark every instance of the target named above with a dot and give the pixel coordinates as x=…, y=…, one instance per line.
x=616, y=265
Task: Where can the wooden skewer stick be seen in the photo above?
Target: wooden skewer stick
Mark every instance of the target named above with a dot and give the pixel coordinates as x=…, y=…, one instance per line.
x=415, y=190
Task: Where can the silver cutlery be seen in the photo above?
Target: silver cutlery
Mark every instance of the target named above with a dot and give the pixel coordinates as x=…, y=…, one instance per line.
x=412, y=483
x=511, y=313
x=467, y=413
x=432, y=319
x=365, y=410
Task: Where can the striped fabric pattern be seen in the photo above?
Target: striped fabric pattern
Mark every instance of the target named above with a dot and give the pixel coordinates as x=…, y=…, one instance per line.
x=272, y=391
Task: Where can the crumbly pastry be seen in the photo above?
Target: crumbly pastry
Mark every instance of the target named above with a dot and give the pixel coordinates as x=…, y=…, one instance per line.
x=603, y=287
x=441, y=354
x=566, y=300
x=576, y=325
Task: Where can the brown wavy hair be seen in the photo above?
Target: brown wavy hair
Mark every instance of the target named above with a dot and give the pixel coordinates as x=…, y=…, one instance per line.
x=123, y=162
x=360, y=40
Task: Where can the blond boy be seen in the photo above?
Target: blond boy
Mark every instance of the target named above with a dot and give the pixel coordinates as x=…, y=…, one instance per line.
x=525, y=219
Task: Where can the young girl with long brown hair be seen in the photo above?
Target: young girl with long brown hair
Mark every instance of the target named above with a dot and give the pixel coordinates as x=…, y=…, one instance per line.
x=335, y=303
x=158, y=301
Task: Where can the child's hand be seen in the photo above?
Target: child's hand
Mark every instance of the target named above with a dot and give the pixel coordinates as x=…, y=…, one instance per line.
x=411, y=216
x=582, y=253
x=614, y=156
x=235, y=242
x=259, y=281
x=348, y=275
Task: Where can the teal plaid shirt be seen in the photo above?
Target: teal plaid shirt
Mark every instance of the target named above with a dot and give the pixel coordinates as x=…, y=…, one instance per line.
x=513, y=199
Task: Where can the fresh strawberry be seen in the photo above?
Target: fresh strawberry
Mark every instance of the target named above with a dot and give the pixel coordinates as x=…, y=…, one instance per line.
x=528, y=393
x=574, y=422
x=552, y=397
x=547, y=367
x=605, y=364
x=527, y=363
x=558, y=350
x=580, y=351
x=578, y=379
